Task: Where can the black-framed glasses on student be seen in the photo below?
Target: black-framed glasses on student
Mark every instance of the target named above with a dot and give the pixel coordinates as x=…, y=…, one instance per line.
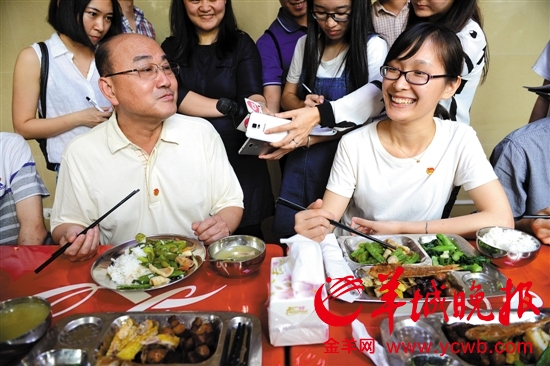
x=413, y=76
x=150, y=71
x=337, y=17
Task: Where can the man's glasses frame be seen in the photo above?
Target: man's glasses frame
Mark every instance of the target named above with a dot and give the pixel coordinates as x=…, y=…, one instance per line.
x=151, y=70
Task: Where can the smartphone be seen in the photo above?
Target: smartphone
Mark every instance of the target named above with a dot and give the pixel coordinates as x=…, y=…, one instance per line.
x=255, y=147
x=259, y=123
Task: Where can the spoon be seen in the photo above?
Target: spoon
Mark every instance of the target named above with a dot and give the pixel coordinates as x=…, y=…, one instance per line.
x=220, y=260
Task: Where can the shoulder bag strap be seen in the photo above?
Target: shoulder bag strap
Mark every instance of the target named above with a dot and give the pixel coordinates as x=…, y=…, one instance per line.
x=44, y=68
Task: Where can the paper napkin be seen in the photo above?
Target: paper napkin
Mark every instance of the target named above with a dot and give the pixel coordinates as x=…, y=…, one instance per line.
x=359, y=332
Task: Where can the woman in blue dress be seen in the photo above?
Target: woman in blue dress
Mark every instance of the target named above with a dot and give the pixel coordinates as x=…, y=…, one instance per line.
x=340, y=54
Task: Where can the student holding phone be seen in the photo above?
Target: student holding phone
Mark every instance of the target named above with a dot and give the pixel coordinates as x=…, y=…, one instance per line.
x=340, y=54
x=80, y=25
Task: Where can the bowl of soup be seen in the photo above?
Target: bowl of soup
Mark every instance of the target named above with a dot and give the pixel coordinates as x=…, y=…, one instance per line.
x=237, y=256
x=23, y=321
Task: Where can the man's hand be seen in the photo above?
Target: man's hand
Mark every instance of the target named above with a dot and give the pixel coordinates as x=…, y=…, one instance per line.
x=83, y=247
x=211, y=229
x=541, y=227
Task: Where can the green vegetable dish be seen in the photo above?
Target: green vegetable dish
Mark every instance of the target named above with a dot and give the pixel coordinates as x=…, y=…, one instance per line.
x=152, y=263
x=374, y=253
x=444, y=251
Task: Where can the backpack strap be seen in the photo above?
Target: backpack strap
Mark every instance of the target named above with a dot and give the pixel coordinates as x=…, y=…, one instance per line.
x=44, y=69
x=270, y=33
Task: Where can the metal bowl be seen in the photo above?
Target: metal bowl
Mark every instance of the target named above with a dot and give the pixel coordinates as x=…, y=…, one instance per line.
x=23, y=321
x=235, y=267
x=505, y=258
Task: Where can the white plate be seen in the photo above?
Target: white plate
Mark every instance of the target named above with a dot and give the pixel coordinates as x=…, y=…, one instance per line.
x=99, y=268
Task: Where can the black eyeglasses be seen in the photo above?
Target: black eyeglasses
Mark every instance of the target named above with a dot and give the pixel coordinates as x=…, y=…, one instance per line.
x=337, y=17
x=150, y=71
x=413, y=76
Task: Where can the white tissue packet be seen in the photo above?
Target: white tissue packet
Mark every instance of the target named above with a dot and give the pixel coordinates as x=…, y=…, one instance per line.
x=291, y=312
x=336, y=267
x=372, y=348
x=306, y=261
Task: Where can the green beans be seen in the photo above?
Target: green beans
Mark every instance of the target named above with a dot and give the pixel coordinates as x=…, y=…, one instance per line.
x=136, y=286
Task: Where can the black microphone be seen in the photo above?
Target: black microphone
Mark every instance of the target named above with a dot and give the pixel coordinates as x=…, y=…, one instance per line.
x=227, y=107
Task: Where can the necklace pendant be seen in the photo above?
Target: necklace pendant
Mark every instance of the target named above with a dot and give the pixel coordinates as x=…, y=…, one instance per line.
x=417, y=161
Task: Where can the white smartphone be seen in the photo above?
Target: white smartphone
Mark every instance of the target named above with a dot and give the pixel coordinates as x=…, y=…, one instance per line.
x=259, y=123
x=255, y=147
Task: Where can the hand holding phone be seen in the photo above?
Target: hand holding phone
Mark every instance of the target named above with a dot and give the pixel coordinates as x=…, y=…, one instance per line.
x=259, y=123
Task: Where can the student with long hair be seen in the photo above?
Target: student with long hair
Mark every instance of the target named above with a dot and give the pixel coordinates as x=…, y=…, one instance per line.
x=217, y=60
x=461, y=16
x=72, y=75
x=395, y=176
x=340, y=54
x=464, y=18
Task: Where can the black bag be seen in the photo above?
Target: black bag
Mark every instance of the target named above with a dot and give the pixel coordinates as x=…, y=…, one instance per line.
x=44, y=68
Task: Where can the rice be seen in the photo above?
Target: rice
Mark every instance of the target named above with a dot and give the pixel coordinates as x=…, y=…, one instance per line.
x=510, y=240
x=127, y=267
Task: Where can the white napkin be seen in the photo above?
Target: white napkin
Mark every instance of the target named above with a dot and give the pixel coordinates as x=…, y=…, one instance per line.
x=336, y=266
x=380, y=355
x=306, y=261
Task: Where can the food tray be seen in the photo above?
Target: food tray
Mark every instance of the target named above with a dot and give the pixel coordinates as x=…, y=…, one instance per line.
x=429, y=329
x=78, y=339
x=350, y=243
x=490, y=279
x=99, y=268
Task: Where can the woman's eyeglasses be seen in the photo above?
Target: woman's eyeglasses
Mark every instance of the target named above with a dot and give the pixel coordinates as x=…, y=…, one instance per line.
x=150, y=71
x=414, y=77
x=337, y=17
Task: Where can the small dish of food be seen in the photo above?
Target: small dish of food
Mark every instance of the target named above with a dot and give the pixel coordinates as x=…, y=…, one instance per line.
x=148, y=262
x=237, y=256
x=507, y=247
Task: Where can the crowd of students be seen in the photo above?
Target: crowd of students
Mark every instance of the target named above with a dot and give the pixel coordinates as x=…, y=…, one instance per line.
x=395, y=78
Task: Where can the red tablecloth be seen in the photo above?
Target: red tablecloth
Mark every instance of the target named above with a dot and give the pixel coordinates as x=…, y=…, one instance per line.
x=538, y=272
x=71, y=290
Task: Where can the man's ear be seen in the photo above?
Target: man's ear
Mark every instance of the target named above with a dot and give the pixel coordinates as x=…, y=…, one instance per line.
x=108, y=89
x=451, y=87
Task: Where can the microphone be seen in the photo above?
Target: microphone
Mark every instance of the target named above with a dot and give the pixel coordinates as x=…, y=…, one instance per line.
x=227, y=107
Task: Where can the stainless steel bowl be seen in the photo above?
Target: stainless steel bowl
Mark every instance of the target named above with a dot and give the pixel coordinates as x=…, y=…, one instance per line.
x=236, y=267
x=503, y=258
x=16, y=341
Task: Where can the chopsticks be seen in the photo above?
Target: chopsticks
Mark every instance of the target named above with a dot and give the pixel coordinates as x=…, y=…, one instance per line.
x=536, y=217
x=296, y=207
x=61, y=250
x=236, y=357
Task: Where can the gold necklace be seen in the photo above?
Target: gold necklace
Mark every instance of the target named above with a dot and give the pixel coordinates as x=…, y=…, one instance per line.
x=403, y=151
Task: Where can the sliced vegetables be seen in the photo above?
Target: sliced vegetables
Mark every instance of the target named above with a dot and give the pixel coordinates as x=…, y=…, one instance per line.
x=374, y=253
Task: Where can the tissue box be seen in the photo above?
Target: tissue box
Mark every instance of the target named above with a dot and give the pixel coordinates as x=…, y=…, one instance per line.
x=292, y=320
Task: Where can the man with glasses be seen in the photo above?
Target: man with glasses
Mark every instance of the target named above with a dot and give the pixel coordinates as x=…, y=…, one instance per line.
x=187, y=185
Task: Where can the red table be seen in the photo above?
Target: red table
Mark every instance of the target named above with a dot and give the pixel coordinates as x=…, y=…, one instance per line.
x=71, y=290
x=537, y=271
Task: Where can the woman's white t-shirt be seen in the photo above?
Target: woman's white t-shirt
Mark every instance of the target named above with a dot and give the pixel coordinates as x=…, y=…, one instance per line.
x=383, y=187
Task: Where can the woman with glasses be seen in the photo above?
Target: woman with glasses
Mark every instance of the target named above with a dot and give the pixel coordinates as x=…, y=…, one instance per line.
x=340, y=54
x=395, y=176
x=72, y=76
x=217, y=60
x=464, y=18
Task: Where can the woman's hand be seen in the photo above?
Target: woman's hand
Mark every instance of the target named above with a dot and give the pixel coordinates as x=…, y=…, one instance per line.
x=313, y=223
x=375, y=227
x=91, y=117
x=314, y=99
x=303, y=120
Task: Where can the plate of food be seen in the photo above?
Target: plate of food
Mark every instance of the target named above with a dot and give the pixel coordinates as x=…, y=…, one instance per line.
x=458, y=265
x=525, y=341
x=148, y=262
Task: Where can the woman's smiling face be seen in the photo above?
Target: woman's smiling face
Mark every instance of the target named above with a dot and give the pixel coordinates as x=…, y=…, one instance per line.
x=406, y=102
x=206, y=15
